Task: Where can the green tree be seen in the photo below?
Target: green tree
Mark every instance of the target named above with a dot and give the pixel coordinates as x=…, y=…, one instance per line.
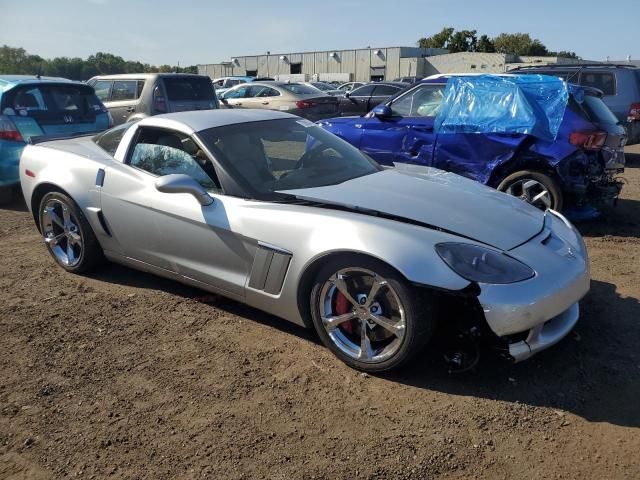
x=485, y=44
x=463, y=41
x=439, y=40
x=519, y=44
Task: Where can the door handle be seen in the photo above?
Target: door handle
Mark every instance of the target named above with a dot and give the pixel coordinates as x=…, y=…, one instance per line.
x=265, y=103
x=238, y=104
x=131, y=109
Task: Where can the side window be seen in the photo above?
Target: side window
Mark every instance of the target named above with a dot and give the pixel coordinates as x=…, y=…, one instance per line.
x=602, y=81
x=385, y=91
x=364, y=91
x=423, y=101
x=163, y=152
x=102, y=88
x=262, y=91
x=124, y=90
x=240, y=92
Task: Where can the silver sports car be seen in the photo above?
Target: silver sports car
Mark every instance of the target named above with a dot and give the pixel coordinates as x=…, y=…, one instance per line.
x=271, y=210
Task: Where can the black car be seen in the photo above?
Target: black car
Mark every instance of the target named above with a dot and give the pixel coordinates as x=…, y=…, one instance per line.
x=362, y=99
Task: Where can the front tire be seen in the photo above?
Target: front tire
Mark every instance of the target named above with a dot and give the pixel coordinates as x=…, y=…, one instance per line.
x=368, y=315
x=535, y=188
x=67, y=234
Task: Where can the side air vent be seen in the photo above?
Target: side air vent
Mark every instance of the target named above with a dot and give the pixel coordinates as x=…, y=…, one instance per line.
x=269, y=268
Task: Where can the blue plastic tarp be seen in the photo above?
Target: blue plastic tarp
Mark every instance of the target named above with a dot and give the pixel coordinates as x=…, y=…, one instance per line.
x=523, y=104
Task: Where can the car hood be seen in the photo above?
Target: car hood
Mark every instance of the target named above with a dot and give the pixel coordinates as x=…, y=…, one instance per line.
x=436, y=199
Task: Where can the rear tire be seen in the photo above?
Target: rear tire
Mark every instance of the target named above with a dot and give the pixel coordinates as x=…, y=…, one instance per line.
x=535, y=188
x=67, y=234
x=397, y=322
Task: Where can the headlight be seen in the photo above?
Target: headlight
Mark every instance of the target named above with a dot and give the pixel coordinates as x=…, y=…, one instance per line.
x=481, y=264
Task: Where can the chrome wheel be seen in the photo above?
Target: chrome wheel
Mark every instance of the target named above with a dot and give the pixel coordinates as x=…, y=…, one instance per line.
x=61, y=232
x=362, y=315
x=531, y=191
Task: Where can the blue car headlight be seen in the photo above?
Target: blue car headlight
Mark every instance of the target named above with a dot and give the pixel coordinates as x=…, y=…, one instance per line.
x=480, y=264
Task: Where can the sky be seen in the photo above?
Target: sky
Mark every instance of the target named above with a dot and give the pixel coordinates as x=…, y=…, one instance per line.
x=189, y=32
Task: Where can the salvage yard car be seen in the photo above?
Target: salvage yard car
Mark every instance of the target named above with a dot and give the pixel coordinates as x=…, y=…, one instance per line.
x=132, y=96
x=270, y=209
x=32, y=106
x=302, y=100
x=577, y=166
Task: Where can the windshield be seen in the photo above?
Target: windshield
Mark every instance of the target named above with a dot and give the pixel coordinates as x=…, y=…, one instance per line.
x=299, y=89
x=274, y=156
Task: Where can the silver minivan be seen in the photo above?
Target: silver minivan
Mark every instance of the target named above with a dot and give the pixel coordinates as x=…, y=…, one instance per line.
x=132, y=96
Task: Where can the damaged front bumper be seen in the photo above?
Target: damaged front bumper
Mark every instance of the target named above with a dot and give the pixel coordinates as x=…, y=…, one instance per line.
x=534, y=314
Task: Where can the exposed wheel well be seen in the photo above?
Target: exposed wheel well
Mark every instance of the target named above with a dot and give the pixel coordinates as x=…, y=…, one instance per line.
x=36, y=197
x=309, y=275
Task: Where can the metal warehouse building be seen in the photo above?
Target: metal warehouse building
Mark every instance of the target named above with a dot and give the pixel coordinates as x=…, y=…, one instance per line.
x=363, y=65
x=369, y=64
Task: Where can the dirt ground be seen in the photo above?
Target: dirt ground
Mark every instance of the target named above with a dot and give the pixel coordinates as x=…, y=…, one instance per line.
x=125, y=375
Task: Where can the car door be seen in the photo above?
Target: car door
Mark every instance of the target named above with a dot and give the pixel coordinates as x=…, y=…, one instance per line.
x=356, y=102
x=407, y=135
x=260, y=96
x=237, y=97
x=123, y=100
x=171, y=231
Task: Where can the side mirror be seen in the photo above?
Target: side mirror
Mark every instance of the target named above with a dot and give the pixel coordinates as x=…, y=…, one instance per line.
x=180, y=183
x=382, y=112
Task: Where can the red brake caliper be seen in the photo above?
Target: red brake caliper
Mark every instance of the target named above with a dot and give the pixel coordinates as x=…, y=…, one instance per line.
x=343, y=306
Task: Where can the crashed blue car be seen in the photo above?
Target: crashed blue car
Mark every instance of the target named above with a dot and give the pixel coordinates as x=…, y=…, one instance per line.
x=533, y=136
x=33, y=106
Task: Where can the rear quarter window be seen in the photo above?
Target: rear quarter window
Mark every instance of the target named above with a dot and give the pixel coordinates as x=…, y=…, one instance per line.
x=189, y=89
x=110, y=139
x=600, y=80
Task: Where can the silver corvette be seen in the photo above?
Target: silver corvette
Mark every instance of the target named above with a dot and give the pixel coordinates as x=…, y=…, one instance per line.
x=271, y=210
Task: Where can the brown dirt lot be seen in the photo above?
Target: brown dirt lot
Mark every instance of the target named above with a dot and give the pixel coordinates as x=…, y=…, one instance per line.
x=125, y=375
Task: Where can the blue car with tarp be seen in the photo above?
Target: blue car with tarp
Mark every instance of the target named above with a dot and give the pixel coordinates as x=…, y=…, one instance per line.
x=553, y=144
x=34, y=106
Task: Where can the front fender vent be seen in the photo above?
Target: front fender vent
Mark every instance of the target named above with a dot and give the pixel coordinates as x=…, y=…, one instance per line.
x=269, y=269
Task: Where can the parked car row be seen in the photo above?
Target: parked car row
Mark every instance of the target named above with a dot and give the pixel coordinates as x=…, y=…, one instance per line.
x=284, y=95
x=558, y=175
